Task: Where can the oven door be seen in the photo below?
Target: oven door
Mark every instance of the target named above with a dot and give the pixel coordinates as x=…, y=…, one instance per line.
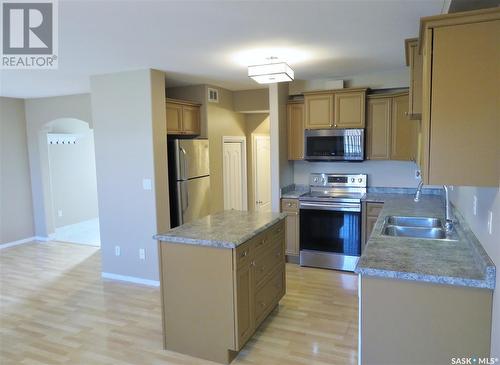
x=330, y=235
x=334, y=144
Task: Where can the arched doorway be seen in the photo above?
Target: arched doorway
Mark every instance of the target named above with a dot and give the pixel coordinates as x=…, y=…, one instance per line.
x=71, y=195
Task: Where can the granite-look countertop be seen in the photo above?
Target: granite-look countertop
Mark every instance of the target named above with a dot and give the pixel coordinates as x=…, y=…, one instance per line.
x=227, y=229
x=462, y=263
x=294, y=191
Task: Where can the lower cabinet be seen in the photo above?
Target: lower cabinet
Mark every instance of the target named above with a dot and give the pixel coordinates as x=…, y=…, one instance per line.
x=291, y=208
x=371, y=212
x=214, y=299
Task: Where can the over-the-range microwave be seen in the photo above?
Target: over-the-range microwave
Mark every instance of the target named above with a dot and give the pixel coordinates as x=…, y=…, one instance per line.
x=334, y=145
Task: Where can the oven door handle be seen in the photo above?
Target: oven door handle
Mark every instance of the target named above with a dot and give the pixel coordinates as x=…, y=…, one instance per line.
x=338, y=207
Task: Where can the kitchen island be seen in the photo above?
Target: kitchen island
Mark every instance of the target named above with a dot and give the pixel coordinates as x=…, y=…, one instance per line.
x=220, y=277
x=427, y=300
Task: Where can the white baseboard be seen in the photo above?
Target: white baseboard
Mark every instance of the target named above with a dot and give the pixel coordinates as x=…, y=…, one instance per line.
x=44, y=238
x=18, y=242
x=130, y=279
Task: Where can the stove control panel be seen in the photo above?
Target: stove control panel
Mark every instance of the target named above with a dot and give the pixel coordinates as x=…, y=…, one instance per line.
x=345, y=180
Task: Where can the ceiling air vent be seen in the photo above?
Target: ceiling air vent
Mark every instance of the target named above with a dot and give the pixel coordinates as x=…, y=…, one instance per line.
x=213, y=95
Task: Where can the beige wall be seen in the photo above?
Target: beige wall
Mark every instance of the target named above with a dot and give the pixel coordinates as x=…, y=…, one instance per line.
x=222, y=120
x=16, y=217
x=255, y=123
x=73, y=180
x=251, y=101
x=40, y=113
x=488, y=200
x=128, y=108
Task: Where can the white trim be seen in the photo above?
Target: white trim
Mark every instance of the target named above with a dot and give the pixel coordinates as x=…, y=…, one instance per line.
x=45, y=238
x=18, y=242
x=243, y=141
x=130, y=279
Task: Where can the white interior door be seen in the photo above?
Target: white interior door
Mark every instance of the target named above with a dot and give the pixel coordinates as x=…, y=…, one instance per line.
x=234, y=175
x=262, y=173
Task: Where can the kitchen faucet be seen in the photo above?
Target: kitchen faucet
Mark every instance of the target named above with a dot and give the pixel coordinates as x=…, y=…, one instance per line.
x=449, y=220
x=419, y=191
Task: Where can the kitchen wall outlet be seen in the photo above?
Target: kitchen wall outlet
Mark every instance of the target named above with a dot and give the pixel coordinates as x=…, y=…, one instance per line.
x=490, y=222
x=147, y=184
x=117, y=251
x=417, y=174
x=142, y=254
x=59, y=213
x=474, y=205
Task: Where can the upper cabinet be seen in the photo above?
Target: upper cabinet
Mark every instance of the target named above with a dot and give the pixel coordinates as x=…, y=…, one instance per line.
x=390, y=134
x=460, y=105
x=335, y=109
x=319, y=110
x=295, y=130
x=414, y=62
x=183, y=117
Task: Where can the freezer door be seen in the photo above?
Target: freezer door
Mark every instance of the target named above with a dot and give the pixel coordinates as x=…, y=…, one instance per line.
x=192, y=158
x=193, y=199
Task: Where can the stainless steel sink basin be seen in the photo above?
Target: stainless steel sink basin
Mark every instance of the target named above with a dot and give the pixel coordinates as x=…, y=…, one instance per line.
x=417, y=232
x=414, y=221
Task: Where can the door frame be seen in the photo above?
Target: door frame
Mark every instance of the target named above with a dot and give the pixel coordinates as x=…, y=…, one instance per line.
x=255, y=136
x=242, y=140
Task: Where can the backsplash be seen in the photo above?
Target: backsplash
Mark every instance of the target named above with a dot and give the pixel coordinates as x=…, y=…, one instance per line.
x=399, y=174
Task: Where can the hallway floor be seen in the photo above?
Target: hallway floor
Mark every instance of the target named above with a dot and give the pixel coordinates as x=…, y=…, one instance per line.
x=56, y=309
x=85, y=233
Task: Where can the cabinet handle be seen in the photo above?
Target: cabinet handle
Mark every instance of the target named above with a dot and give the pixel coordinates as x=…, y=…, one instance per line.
x=335, y=125
x=252, y=263
x=290, y=205
x=262, y=304
x=278, y=254
x=262, y=269
x=244, y=254
x=262, y=242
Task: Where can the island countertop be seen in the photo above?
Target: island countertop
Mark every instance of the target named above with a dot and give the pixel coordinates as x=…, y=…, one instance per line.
x=463, y=262
x=226, y=229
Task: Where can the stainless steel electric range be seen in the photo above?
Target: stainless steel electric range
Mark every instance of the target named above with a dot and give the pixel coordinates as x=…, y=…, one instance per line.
x=330, y=221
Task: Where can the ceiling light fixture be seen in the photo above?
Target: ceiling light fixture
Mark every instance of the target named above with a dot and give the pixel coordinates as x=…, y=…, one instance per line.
x=271, y=72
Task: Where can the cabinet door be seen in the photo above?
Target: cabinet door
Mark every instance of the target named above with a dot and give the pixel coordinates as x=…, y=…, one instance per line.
x=415, y=97
x=464, y=112
x=349, y=110
x=244, y=304
x=378, y=129
x=403, y=130
x=292, y=234
x=191, y=119
x=319, y=111
x=174, y=118
x=295, y=128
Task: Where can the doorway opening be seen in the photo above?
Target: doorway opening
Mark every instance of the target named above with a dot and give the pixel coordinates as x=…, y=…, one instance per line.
x=72, y=181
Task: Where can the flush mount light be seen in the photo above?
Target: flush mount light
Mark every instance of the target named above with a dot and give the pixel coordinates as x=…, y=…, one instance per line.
x=271, y=72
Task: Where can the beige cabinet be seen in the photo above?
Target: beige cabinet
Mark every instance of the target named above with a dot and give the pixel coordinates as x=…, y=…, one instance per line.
x=182, y=117
x=460, y=107
x=404, y=132
x=291, y=208
x=371, y=211
x=349, y=109
x=335, y=109
x=295, y=130
x=318, y=110
x=378, y=128
x=390, y=134
x=414, y=62
x=213, y=299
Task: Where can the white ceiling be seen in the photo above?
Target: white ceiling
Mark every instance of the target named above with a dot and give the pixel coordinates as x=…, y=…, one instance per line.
x=202, y=42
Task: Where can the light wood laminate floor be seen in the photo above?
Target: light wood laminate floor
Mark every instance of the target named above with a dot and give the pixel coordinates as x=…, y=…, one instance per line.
x=56, y=309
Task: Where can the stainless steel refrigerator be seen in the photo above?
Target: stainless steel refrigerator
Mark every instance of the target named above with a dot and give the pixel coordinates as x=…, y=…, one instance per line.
x=189, y=180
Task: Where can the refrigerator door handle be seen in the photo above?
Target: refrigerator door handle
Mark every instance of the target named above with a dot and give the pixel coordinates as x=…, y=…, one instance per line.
x=184, y=163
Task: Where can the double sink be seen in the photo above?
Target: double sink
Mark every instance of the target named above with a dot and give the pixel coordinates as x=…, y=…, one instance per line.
x=417, y=227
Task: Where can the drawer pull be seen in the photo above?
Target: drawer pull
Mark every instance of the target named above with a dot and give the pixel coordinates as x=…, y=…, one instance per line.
x=262, y=242
x=244, y=254
x=290, y=205
x=262, y=304
x=252, y=263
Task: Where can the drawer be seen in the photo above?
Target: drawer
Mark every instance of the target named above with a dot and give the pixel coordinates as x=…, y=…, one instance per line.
x=242, y=254
x=268, y=261
x=290, y=205
x=373, y=209
x=269, y=295
x=275, y=232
